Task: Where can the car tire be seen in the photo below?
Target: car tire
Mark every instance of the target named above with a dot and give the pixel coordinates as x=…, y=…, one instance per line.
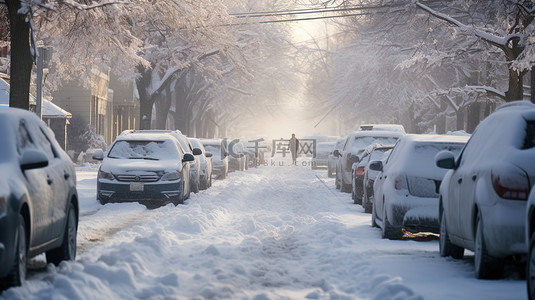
x=530, y=269
x=374, y=223
x=67, y=250
x=17, y=275
x=195, y=187
x=390, y=232
x=346, y=188
x=486, y=266
x=446, y=248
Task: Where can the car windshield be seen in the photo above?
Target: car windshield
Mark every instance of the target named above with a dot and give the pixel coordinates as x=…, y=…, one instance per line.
x=216, y=151
x=430, y=150
x=153, y=150
x=362, y=142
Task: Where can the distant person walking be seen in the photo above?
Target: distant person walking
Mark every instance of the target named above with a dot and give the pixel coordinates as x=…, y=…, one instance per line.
x=294, y=147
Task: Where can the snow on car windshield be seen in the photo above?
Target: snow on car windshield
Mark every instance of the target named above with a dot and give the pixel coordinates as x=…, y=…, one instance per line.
x=362, y=142
x=143, y=150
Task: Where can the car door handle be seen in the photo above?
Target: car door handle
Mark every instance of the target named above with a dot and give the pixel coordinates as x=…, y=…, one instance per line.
x=48, y=180
x=459, y=180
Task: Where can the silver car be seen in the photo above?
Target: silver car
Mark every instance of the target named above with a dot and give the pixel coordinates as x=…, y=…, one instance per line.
x=483, y=196
x=38, y=197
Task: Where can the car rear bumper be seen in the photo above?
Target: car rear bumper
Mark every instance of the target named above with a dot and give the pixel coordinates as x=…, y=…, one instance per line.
x=415, y=214
x=504, y=228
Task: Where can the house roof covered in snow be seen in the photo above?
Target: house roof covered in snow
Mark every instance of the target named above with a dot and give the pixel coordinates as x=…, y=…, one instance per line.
x=50, y=110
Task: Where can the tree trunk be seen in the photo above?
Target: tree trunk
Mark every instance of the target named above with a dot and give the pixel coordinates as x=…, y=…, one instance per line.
x=516, y=88
x=460, y=119
x=145, y=99
x=473, y=117
x=21, y=57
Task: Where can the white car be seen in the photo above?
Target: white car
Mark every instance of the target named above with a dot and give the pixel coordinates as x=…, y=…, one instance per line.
x=355, y=144
x=406, y=190
x=219, y=156
x=334, y=159
x=205, y=165
x=321, y=155
x=148, y=167
x=483, y=195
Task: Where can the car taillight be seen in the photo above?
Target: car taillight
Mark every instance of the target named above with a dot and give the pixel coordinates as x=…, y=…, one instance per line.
x=359, y=172
x=510, y=182
x=400, y=183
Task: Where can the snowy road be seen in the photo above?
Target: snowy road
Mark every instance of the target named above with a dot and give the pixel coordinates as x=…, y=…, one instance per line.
x=276, y=232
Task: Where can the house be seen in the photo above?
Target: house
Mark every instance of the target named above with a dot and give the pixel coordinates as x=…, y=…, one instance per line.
x=55, y=117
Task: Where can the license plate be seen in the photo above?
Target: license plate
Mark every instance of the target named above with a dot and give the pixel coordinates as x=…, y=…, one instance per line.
x=136, y=186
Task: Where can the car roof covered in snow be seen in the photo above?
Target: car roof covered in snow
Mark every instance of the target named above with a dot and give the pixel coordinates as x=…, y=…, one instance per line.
x=145, y=136
x=376, y=133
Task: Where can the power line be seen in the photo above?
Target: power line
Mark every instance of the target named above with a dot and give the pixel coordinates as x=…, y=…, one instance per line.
x=307, y=11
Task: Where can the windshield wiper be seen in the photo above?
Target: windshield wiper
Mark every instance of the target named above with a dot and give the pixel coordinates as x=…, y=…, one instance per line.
x=139, y=157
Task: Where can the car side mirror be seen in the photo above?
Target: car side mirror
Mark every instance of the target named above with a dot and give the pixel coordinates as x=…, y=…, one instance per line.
x=98, y=154
x=197, y=151
x=337, y=153
x=376, y=165
x=208, y=154
x=445, y=160
x=33, y=159
x=188, y=157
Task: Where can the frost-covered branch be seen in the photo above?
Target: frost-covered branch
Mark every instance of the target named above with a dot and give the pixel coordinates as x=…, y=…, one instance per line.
x=501, y=42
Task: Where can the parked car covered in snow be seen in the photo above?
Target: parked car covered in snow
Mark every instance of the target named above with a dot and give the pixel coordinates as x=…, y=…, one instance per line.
x=146, y=167
x=205, y=164
x=355, y=144
x=385, y=127
x=237, y=158
x=334, y=159
x=219, y=156
x=38, y=196
x=483, y=195
x=406, y=190
x=530, y=241
x=321, y=159
x=378, y=152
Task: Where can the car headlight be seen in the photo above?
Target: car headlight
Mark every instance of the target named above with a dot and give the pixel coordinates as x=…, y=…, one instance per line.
x=105, y=175
x=171, y=176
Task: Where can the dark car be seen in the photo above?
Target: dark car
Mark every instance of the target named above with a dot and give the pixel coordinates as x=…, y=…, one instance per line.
x=150, y=168
x=38, y=197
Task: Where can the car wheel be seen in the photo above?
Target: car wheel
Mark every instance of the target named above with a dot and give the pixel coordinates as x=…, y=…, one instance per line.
x=530, y=268
x=366, y=202
x=390, y=232
x=17, y=275
x=486, y=266
x=67, y=250
x=195, y=187
x=374, y=223
x=445, y=245
x=346, y=188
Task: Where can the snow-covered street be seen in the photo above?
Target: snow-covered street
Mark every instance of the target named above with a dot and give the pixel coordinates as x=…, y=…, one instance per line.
x=275, y=232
